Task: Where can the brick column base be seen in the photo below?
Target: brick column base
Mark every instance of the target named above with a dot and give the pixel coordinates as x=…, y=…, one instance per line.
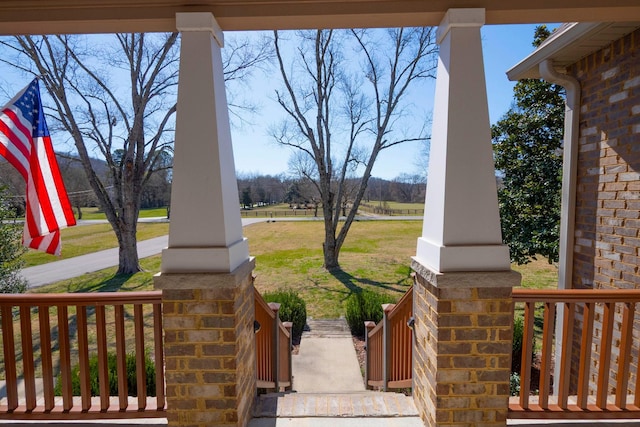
x=463, y=334
x=209, y=347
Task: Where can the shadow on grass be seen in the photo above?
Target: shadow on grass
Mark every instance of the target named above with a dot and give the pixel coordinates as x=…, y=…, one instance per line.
x=112, y=284
x=354, y=284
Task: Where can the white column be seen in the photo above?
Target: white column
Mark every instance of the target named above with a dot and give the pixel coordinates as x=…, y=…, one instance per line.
x=205, y=234
x=461, y=230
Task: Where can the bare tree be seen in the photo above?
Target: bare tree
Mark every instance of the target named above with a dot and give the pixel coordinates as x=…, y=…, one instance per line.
x=121, y=104
x=78, y=189
x=116, y=99
x=408, y=188
x=342, y=114
x=242, y=55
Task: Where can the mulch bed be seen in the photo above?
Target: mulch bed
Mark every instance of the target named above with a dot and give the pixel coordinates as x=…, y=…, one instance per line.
x=358, y=344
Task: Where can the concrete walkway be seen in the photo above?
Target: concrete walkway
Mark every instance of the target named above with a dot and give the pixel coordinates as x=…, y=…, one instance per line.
x=44, y=274
x=328, y=388
x=327, y=361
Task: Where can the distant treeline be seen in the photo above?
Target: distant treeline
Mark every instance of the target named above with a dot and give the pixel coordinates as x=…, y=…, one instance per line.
x=260, y=190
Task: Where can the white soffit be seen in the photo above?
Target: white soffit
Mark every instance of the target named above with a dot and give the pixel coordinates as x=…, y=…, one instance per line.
x=570, y=43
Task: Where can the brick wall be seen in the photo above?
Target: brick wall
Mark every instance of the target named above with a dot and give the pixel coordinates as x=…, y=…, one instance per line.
x=608, y=192
x=607, y=239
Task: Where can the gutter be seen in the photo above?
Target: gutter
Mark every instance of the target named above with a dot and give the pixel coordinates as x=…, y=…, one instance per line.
x=569, y=166
x=569, y=178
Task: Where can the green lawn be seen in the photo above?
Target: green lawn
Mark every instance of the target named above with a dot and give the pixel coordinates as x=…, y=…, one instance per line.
x=397, y=205
x=83, y=239
x=376, y=256
x=95, y=213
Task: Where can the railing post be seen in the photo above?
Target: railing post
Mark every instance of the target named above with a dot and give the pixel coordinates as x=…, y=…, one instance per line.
x=289, y=327
x=368, y=326
x=8, y=345
x=275, y=351
x=386, y=345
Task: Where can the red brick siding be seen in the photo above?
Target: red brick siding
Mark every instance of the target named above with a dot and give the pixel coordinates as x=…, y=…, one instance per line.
x=607, y=234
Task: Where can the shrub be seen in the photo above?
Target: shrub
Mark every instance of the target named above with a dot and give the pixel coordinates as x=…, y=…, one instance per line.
x=132, y=383
x=292, y=309
x=516, y=351
x=364, y=306
x=11, y=249
x=514, y=384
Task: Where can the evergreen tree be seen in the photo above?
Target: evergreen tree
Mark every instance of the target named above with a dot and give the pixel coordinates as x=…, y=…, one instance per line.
x=247, y=202
x=11, y=249
x=527, y=144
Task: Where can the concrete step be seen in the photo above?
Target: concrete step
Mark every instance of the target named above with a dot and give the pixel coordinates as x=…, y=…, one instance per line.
x=325, y=328
x=337, y=422
x=352, y=405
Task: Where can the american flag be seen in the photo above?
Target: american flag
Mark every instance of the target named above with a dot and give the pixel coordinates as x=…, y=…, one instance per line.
x=26, y=144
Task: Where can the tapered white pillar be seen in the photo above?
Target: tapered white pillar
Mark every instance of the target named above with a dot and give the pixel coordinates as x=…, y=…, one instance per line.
x=205, y=234
x=461, y=230
x=463, y=284
x=206, y=275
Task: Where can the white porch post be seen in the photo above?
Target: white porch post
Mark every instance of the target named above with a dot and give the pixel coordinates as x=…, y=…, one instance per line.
x=462, y=293
x=206, y=282
x=205, y=233
x=461, y=230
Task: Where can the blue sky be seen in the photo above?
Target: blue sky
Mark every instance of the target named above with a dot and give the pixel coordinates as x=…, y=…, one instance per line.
x=503, y=47
x=255, y=152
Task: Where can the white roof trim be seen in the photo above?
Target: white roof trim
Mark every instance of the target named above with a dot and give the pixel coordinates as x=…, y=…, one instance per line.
x=566, y=35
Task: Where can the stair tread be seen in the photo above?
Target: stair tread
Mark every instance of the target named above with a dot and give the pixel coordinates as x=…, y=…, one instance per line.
x=326, y=327
x=361, y=404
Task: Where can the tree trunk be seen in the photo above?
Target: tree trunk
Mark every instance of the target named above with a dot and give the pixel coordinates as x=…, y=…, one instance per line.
x=331, y=253
x=330, y=248
x=128, y=262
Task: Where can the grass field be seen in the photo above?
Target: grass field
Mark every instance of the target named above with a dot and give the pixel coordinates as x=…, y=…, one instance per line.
x=397, y=205
x=376, y=255
x=95, y=213
x=80, y=240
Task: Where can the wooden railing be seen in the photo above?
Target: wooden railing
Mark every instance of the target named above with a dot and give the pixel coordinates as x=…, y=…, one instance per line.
x=273, y=347
x=389, y=346
x=597, y=342
x=43, y=335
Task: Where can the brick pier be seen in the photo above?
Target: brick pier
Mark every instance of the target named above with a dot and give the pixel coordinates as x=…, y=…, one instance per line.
x=462, y=359
x=209, y=347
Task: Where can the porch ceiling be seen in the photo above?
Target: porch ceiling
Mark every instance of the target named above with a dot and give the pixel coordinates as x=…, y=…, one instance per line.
x=97, y=16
